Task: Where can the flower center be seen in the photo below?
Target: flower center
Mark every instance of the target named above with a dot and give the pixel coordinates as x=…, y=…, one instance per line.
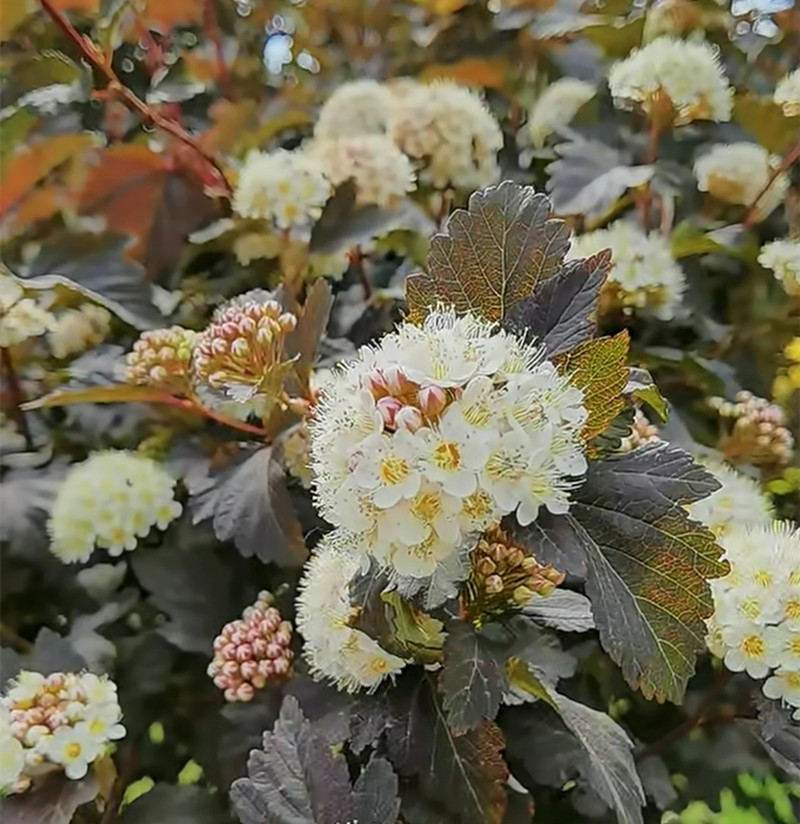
x=427, y=506
x=504, y=466
x=751, y=608
x=477, y=505
x=447, y=456
x=794, y=646
x=394, y=470
x=72, y=750
x=753, y=646
x=763, y=577
x=792, y=609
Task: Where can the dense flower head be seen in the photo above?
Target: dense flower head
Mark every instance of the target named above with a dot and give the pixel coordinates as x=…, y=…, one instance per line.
x=643, y=276
x=787, y=94
x=287, y=189
x=503, y=578
x=361, y=107
x=437, y=433
x=334, y=649
x=738, y=172
x=783, y=258
x=686, y=74
x=241, y=352
x=556, y=107
x=451, y=134
x=63, y=721
x=77, y=330
x=161, y=358
x=21, y=318
x=382, y=174
x=758, y=434
x=110, y=501
x=738, y=503
x=252, y=651
x=756, y=621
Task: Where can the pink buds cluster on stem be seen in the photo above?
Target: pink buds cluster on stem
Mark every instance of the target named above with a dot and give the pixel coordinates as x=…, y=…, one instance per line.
x=161, y=359
x=252, y=651
x=402, y=403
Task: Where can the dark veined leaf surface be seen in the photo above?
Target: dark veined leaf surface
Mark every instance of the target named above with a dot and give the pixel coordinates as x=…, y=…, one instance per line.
x=563, y=313
x=54, y=801
x=491, y=255
x=175, y=804
x=646, y=563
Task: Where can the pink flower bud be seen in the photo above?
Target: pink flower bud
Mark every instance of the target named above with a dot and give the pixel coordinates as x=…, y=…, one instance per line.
x=388, y=408
x=396, y=380
x=244, y=652
x=281, y=666
x=258, y=681
x=248, y=670
x=230, y=668
x=259, y=648
x=229, y=651
x=432, y=400
x=245, y=692
x=274, y=650
x=375, y=383
x=408, y=418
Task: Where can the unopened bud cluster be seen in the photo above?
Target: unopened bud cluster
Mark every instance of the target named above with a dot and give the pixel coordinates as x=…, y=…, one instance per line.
x=252, y=651
x=242, y=351
x=161, y=358
x=758, y=435
x=59, y=721
x=642, y=433
x=503, y=578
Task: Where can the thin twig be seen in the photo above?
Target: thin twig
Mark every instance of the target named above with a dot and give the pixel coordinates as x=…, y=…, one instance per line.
x=103, y=65
x=14, y=639
x=357, y=262
x=193, y=406
x=16, y=396
x=128, y=764
x=697, y=719
x=792, y=157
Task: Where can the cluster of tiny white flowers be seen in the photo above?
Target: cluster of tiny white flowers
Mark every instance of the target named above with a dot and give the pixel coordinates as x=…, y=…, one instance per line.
x=286, y=189
x=21, y=318
x=738, y=502
x=738, y=172
x=643, y=274
x=110, y=501
x=688, y=73
x=336, y=651
x=787, y=94
x=756, y=623
x=449, y=132
x=77, y=330
x=355, y=109
x=437, y=433
x=382, y=174
x=62, y=721
x=556, y=107
x=783, y=258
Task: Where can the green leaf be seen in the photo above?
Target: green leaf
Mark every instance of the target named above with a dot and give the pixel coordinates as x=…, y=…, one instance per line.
x=765, y=121
x=520, y=676
x=599, y=368
x=563, y=313
x=642, y=387
x=646, y=563
x=121, y=393
x=465, y=775
x=248, y=503
x=416, y=634
x=298, y=779
x=53, y=801
x=492, y=255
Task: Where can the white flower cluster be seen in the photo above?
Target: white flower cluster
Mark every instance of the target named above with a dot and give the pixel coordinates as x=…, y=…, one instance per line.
x=451, y=134
x=643, y=274
x=756, y=622
x=355, y=109
x=556, y=107
x=787, y=94
x=21, y=318
x=738, y=172
x=110, y=501
x=382, y=174
x=738, y=503
x=783, y=258
x=687, y=74
x=336, y=651
x=439, y=432
x=61, y=721
x=77, y=330
x=286, y=189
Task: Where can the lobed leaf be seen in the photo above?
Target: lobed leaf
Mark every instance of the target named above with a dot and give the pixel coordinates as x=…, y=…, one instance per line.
x=646, y=563
x=599, y=367
x=642, y=387
x=491, y=255
x=563, y=313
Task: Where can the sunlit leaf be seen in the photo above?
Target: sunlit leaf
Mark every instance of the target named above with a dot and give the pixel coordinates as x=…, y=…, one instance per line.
x=123, y=393
x=471, y=71
x=765, y=121
x=491, y=255
x=599, y=367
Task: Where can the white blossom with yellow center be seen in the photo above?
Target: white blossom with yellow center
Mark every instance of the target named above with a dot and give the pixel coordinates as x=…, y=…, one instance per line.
x=362, y=107
x=556, y=107
x=787, y=94
x=782, y=257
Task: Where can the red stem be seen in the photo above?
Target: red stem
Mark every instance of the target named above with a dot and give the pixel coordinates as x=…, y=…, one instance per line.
x=191, y=406
x=791, y=157
x=17, y=397
x=93, y=55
